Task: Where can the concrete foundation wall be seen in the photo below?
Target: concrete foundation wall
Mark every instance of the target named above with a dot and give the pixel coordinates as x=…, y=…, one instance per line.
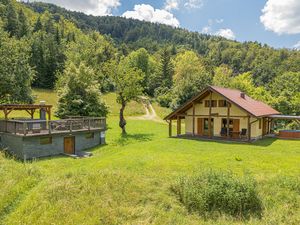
x=13, y=144
x=28, y=147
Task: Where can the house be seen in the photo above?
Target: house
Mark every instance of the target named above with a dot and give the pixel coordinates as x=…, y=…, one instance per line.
x=29, y=138
x=224, y=113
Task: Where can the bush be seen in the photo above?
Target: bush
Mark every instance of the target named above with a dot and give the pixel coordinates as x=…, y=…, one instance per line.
x=214, y=192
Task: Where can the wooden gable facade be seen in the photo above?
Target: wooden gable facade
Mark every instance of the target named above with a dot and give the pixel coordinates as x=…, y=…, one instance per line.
x=222, y=113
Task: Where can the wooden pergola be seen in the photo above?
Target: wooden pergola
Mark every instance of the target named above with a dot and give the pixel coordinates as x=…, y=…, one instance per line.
x=29, y=108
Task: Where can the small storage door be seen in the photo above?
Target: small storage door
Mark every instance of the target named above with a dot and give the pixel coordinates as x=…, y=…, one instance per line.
x=69, y=145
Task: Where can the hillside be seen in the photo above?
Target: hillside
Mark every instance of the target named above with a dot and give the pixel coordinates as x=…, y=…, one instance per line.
x=263, y=61
x=174, y=64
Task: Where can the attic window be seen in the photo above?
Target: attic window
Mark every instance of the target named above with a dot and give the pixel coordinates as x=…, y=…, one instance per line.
x=223, y=103
x=213, y=103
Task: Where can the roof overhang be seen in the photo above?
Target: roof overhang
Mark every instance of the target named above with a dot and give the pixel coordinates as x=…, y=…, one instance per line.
x=284, y=117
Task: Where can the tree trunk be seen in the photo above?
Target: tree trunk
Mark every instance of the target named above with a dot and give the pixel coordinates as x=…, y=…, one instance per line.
x=122, y=122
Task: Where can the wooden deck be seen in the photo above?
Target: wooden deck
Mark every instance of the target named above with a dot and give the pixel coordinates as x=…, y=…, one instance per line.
x=44, y=127
x=213, y=138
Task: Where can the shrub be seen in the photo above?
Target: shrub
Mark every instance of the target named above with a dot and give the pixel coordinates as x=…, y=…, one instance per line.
x=214, y=192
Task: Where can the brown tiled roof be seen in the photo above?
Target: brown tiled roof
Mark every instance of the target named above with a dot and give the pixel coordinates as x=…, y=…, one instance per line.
x=255, y=108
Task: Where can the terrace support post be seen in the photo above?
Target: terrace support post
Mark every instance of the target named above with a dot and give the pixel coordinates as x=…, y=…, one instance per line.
x=24, y=129
x=209, y=115
x=15, y=124
x=89, y=124
x=228, y=118
x=249, y=129
x=170, y=128
x=178, y=125
x=193, y=119
x=71, y=124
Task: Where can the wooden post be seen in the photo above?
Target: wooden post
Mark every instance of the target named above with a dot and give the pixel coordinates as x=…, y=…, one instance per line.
x=24, y=128
x=15, y=123
x=49, y=113
x=71, y=123
x=228, y=119
x=170, y=128
x=32, y=113
x=193, y=119
x=178, y=125
x=209, y=115
x=249, y=129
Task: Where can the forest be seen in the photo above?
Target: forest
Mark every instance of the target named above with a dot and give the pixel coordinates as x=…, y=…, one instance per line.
x=82, y=57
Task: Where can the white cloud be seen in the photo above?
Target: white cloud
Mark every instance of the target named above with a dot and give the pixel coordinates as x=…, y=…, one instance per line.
x=226, y=33
x=281, y=16
x=297, y=46
x=219, y=21
x=148, y=13
x=211, y=22
x=94, y=7
x=172, y=4
x=193, y=4
x=178, y=4
x=206, y=30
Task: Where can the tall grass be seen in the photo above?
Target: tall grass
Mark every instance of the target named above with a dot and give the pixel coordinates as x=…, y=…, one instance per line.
x=215, y=192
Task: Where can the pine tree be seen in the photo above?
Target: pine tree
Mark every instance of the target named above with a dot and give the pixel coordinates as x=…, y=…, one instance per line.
x=38, y=25
x=166, y=68
x=23, y=24
x=12, y=25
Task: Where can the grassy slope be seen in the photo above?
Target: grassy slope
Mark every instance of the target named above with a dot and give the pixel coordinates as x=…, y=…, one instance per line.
x=133, y=108
x=128, y=180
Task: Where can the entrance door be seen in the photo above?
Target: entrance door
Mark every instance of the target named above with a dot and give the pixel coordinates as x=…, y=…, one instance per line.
x=265, y=129
x=200, y=126
x=236, y=128
x=69, y=145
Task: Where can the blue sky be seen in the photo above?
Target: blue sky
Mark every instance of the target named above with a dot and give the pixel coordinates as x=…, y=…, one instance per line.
x=274, y=22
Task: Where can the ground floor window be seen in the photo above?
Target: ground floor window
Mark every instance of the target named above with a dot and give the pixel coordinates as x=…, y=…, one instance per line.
x=224, y=123
x=206, y=126
x=45, y=140
x=89, y=135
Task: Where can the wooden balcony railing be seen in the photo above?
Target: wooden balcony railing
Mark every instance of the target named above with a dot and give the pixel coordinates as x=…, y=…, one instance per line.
x=35, y=127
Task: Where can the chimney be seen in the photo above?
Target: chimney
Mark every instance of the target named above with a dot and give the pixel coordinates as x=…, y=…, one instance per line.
x=243, y=95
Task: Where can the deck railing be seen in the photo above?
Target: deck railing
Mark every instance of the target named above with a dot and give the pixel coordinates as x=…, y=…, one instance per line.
x=35, y=127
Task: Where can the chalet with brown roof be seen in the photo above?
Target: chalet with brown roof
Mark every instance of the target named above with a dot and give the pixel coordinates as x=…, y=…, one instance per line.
x=218, y=112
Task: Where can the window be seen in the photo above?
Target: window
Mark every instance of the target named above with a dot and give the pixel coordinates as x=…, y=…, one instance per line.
x=223, y=103
x=213, y=103
x=89, y=135
x=224, y=123
x=45, y=140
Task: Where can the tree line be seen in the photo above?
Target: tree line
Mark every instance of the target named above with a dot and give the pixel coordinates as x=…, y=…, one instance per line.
x=45, y=46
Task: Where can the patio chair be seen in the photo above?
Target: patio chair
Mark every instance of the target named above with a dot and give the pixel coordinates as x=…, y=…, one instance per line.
x=243, y=133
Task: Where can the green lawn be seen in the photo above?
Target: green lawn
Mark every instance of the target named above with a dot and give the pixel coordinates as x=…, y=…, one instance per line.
x=128, y=180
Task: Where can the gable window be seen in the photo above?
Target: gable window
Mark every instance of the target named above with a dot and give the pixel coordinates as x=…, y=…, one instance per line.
x=223, y=103
x=213, y=103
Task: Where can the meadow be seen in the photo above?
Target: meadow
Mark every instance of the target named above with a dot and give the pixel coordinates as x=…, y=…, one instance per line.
x=128, y=181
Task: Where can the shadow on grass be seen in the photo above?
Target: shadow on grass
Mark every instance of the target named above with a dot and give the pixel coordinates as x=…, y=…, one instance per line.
x=263, y=142
x=128, y=138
